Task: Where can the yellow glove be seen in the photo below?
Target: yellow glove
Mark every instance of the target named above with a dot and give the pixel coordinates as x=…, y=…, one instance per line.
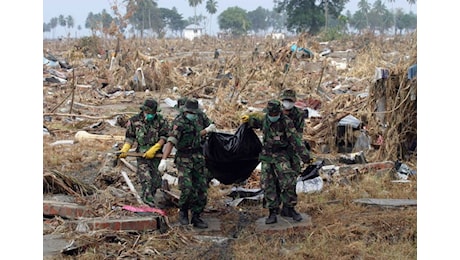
x=124, y=150
x=152, y=151
x=245, y=119
x=254, y=115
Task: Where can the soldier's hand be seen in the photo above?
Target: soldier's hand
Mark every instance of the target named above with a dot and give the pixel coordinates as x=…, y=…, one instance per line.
x=211, y=128
x=124, y=150
x=162, y=166
x=152, y=151
x=245, y=119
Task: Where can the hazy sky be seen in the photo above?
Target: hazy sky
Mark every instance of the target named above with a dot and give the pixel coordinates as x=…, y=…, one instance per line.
x=79, y=9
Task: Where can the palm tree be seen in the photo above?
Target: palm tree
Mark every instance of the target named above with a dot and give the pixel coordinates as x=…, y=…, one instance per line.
x=194, y=3
x=365, y=7
x=379, y=16
x=62, y=21
x=53, y=24
x=211, y=7
x=410, y=2
x=70, y=22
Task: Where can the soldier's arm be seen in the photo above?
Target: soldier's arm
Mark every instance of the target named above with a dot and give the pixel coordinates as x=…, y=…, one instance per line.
x=255, y=119
x=296, y=140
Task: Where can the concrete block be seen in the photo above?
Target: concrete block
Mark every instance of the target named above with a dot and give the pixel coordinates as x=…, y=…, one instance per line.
x=126, y=223
x=65, y=210
x=368, y=167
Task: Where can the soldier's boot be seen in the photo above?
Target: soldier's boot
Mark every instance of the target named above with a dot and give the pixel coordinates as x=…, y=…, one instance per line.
x=295, y=215
x=198, y=222
x=272, y=217
x=285, y=212
x=183, y=217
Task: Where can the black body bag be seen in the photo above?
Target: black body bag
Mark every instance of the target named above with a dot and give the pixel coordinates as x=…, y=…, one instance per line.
x=231, y=158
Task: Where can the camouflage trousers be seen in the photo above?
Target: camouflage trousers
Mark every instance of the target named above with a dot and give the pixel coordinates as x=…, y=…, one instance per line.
x=279, y=180
x=296, y=163
x=149, y=178
x=193, y=182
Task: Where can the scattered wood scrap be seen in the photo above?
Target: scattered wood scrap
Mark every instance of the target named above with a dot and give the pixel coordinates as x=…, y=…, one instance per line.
x=387, y=202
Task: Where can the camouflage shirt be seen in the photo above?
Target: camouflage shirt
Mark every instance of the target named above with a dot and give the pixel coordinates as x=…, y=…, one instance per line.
x=298, y=118
x=185, y=134
x=146, y=134
x=203, y=120
x=280, y=137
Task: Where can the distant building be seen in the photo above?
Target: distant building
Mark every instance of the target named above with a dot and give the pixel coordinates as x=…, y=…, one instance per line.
x=275, y=36
x=192, y=31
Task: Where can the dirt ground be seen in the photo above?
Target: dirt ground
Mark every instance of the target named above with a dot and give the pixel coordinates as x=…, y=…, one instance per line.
x=341, y=228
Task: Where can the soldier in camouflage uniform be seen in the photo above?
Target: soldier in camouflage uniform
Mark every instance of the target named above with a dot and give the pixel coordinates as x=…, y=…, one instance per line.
x=185, y=136
x=203, y=121
x=288, y=98
x=149, y=130
x=278, y=179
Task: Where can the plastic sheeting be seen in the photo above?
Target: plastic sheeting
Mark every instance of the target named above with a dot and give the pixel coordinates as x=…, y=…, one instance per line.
x=231, y=158
x=412, y=72
x=349, y=120
x=302, y=51
x=50, y=63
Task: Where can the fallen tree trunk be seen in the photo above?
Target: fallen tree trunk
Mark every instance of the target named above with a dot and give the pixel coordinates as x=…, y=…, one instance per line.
x=81, y=136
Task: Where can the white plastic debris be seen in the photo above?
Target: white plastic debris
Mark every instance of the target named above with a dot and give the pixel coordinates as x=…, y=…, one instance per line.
x=171, y=179
x=59, y=142
x=310, y=185
x=170, y=102
x=404, y=171
x=215, y=182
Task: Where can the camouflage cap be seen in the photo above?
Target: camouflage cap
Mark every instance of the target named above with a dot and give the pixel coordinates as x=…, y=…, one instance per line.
x=191, y=105
x=181, y=102
x=273, y=106
x=288, y=94
x=150, y=105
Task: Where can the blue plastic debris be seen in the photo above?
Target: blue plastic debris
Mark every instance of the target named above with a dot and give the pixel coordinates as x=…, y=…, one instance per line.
x=412, y=71
x=50, y=63
x=381, y=73
x=403, y=171
x=302, y=50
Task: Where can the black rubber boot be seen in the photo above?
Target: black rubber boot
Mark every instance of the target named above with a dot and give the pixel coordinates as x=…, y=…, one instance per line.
x=198, y=222
x=295, y=215
x=285, y=212
x=183, y=217
x=271, y=218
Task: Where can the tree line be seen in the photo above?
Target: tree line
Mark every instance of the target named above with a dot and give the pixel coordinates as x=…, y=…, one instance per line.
x=144, y=18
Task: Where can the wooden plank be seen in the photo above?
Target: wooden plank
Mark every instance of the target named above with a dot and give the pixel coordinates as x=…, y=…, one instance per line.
x=387, y=202
x=131, y=188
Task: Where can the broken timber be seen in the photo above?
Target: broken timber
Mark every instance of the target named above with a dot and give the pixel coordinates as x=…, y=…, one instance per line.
x=387, y=202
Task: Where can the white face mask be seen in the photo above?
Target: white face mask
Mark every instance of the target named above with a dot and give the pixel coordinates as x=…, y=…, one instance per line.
x=288, y=104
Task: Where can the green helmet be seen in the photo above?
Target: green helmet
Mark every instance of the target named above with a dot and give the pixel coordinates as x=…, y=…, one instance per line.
x=150, y=105
x=181, y=102
x=191, y=105
x=273, y=106
x=288, y=94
